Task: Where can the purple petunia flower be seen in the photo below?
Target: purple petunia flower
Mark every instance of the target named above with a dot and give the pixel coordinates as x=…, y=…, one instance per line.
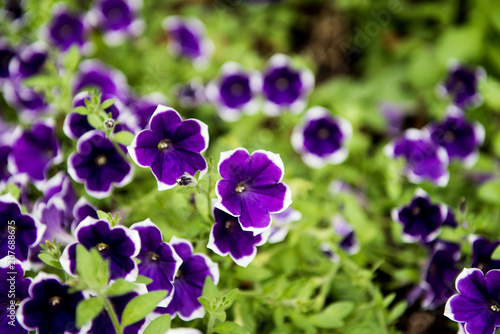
x=440, y=274
x=227, y=237
x=187, y=38
x=6, y=54
x=251, y=187
x=424, y=159
x=234, y=91
x=18, y=231
x=51, y=308
x=421, y=219
x=28, y=61
x=4, y=158
x=102, y=324
x=144, y=107
x=13, y=290
x=52, y=215
x=284, y=87
x=117, y=244
x=118, y=19
x=159, y=261
x=462, y=85
x=482, y=251
x=349, y=243
x=477, y=303
x=394, y=116
x=98, y=165
x=460, y=138
x=171, y=147
x=191, y=94
x=321, y=138
x=281, y=224
x=35, y=150
x=93, y=73
x=67, y=28
x=189, y=281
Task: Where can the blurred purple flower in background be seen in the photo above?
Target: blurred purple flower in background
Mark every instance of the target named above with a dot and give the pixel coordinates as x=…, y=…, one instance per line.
x=191, y=94
x=281, y=224
x=462, y=85
x=284, y=87
x=67, y=28
x=482, y=251
x=348, y=242
x=144, y=107
x=321, y=138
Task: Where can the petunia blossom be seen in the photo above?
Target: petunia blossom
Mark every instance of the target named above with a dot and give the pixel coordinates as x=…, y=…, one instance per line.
x=171, y=147
x=67, y=28
x=321, y=138
x=482, y=252
x=281, y=224
x=251, y=187
x=462, y=85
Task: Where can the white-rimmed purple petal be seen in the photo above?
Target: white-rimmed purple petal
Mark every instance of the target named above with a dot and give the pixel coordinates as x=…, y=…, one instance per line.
x=117, y=244
x=98, y=165
x=281, y=224
x=251, y=187
x=284, y=87
x=171, y=147
x=321, y=138
x=349, y=242
x=144, y=107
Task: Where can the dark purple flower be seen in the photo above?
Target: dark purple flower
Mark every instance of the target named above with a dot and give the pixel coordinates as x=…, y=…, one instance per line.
x=460, y=138
x=328, y=252
x=321, y=138
x=171, y=147
x=13, y=10
x=144, y=107
x=117, y=244
x=394, y=116
x=281, y=224
x=52, y=215
x=462, y=85
x=13, y=290
x=450, y=220
x=28, y=61
x=424, y=159
x=29, y=104
x=477, y=303
x=82, y=210
x=284, y=87
x=189, y=281
x=191, y=94
x=118, y=19
x=51, y=308
x=4, y=155
x=251, y=187
x=349, y=243
x=234, y=92
x=92, y=73
x=103, y=324
x=6, y=54
x=67, y=28
x=99, y=165
x=159, y=261
x=187, y=38
x=482, y=251
x=440, y=274
x=227, y=237
x=421, y=219
x=60, y=186
x=75, y=125
x=35, y=150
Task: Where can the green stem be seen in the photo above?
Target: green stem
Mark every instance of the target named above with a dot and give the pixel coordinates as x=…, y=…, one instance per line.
x=119, y=149
x=211, y=324
x=113, y=316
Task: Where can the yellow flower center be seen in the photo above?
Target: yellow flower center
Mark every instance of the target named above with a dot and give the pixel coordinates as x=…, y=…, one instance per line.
x=101, y=160
x=56, y=300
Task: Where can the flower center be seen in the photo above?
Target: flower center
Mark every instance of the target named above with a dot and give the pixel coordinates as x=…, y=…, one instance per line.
x=240, y=188
x=178, y=273
x=323, y=133
x=66, y=31
x=230, y=224
x=236, y=89
x=101, y=246
x=163, y=144
x=415, y=211
x=282, y=84
x=101, y=160
x=448, y=137
x=54, y=301
x=155, y=257
x=495, y=308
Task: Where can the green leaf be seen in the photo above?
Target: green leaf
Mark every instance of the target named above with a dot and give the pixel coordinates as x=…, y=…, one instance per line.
x=397, y=311
x=139, y=307
x=205, y=302
x=71, y=59
x=159, y=326
x=95, y=121
x=124, y=137
x=81, y=110
x=14, y=190
x=91, y=268
x=107, y=103
x=87, y=310
x=221, y=315
x=230, y=328
x=143, y=279
x=253, y=273
x=41, y=81
x=200, y=202
x=490, y=192
x=210, y=291
x=302, y=322
x=332, y=316
x=120, y=287
x=228, y=299
x=49, y=260
x=102, y=215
